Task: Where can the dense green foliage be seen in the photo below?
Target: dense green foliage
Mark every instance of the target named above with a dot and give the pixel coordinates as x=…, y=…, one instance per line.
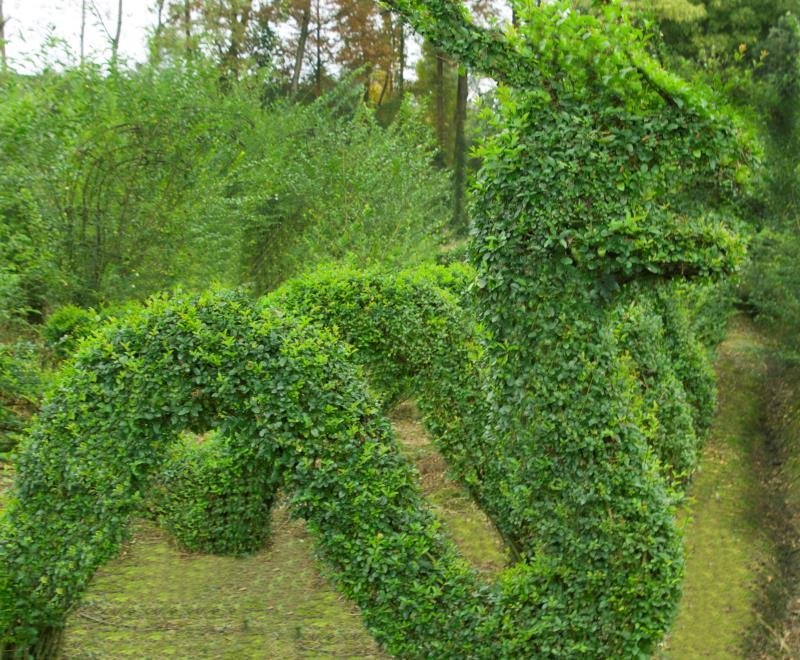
x=322, y=185
x=601, y=172
x=21, y=382
x=772, y=283
x=25, y=263
x=562, y=410
x=751, y=50
x=177, y=366
x=66, y=326
x=667, y=415
x=411, y=337
x=116, y=185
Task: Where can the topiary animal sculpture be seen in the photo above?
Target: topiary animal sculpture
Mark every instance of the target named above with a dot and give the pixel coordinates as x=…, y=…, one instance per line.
x=590, y=184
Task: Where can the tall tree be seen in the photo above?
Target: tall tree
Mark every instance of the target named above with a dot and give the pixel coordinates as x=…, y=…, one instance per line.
x=460, y=153
x=438, y=91
x=117, y=33
x=3, y=60
x=113, y=39
x=400, y=47
x=227, y=24
x=83, y=31
x=305, y=19
x=364, y=41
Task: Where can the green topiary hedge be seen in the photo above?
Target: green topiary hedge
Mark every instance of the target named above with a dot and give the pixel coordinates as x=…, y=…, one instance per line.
x=299, y=412
x=411, y=337
x=414, y=339
x=641, y=334
x=605, y=177
x=290, y=396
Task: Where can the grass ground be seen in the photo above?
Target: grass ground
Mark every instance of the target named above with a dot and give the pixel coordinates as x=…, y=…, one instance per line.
x=729, y=553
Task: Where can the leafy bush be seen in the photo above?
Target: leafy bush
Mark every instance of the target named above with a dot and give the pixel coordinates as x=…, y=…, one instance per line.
x=21, y=384
x=117, y=186
x=26, y=268
x=287, y=398
x=288, y=393
x=326, y=183
x=412, y=339
x=691, y=327
x=772, y=285
x=66, y=326
x=569, y=213
x=709, y=306
x=641, y=334
x=115, y=167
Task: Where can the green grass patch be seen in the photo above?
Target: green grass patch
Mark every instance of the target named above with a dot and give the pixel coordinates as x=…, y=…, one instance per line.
x=729, y=554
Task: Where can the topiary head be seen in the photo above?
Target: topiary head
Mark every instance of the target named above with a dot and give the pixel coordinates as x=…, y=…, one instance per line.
x=607, y=163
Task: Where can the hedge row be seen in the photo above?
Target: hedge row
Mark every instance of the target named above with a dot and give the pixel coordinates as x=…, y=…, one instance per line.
x=413, y=338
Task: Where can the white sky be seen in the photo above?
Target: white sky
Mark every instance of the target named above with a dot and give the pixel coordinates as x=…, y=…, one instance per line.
x=32, y=22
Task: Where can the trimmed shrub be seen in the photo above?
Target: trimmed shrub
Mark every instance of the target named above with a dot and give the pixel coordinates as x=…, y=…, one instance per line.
x=288, y=394
x=690, y=357
x=412, y=338
x=213, y=498
x=670, y=430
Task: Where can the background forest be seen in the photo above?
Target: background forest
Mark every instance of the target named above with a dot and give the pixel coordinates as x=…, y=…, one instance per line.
x=262, y=140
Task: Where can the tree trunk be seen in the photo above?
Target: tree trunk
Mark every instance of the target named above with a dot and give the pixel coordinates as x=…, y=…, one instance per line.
x=117, y=33
x=438, y=90
x=187, y=27
x=401, y=72
x=3, y=60
x=460, y=155
x=301, y=47
x=239, y=24
x=83, y=30
x=387, y=80
x=318, y=67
